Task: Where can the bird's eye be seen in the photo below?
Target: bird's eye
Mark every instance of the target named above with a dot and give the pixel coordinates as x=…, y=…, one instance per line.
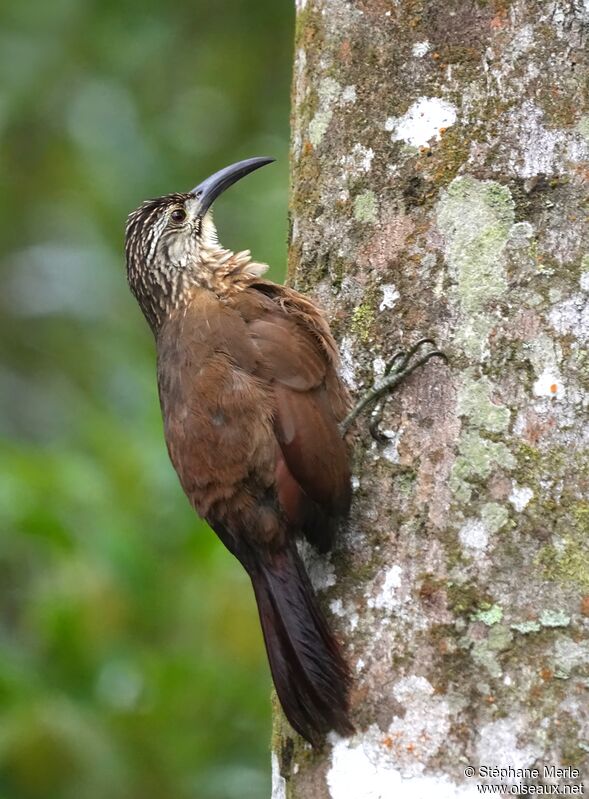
x=178, y=215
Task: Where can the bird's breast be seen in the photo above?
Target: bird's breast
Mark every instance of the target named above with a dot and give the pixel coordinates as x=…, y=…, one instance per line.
x=218, y=417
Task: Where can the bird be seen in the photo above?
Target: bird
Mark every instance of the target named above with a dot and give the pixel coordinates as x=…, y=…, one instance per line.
x=254, y=411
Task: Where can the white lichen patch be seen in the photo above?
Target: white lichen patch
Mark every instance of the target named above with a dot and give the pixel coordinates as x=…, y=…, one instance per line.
x=329, y=90
x=420, y=49
x=424, y=120
x=278, y=781
x=521, y=41
x=549, y=384
x=559, y=15
x=423, y=727
x=390, y=295
x=521, y=233
x=474, y=535
x=390, y=451
x=359, y=161
x=377, y=765
x=520, y=497
x=349, y=94
x=367, y=771
x=500, y=744
x=387, y=598
x=544, y=357
x=336, y=606
x=319, y=567
x=554, y=618
x=527, y=627
x=583, y=127
x=538, y=149
x=378, y=366
x=572, y=316
x=348, y=363
x=345, y=612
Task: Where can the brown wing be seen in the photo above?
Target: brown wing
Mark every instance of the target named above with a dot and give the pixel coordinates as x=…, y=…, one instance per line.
x=299, y=357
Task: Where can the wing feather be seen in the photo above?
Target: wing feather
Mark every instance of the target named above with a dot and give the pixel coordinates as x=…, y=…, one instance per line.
x=298, y=356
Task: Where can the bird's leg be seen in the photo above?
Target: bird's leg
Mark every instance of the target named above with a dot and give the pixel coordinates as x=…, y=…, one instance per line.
x=397, y=369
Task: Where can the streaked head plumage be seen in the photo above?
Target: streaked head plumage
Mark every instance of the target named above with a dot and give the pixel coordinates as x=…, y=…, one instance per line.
x=171, y=242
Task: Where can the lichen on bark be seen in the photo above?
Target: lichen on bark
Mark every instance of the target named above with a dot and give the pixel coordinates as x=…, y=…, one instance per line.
x=440, y=160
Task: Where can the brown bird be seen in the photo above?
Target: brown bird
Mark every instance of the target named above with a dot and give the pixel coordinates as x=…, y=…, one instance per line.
x=251, y=402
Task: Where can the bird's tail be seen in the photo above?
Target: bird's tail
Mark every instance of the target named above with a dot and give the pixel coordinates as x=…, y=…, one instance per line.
x=309, y=672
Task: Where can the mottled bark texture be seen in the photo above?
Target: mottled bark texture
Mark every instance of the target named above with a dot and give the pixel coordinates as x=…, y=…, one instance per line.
x=439, y=187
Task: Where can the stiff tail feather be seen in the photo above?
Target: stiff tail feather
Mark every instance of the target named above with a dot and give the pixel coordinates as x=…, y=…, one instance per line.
x=309, y=672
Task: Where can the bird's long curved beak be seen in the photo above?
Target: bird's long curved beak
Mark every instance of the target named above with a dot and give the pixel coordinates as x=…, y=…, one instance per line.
x=208, y=191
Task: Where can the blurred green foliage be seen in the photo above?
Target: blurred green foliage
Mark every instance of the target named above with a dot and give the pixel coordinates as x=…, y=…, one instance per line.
x=131, y=662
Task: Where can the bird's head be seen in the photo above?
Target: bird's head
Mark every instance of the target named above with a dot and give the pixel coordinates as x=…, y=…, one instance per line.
x=169, y=241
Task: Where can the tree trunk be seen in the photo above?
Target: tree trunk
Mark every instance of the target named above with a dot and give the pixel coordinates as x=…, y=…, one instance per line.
x=439, y=188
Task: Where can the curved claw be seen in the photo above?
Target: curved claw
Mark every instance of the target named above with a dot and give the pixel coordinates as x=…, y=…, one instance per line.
x=400, y=355
x=374, y=426
x=422, y=341
x=438, y=354
x=376, y=434
x=388, y=383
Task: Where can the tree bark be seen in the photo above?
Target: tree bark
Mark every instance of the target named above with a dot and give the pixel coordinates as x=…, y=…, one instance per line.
x=439, y=187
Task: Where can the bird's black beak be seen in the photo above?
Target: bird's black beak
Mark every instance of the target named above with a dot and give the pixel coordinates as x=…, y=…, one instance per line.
x=208, y=191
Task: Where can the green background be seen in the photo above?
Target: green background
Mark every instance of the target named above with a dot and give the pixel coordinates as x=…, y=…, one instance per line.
x=131, y=661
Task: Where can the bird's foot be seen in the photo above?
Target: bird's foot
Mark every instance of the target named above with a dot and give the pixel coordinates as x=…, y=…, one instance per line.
x=400, y=366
